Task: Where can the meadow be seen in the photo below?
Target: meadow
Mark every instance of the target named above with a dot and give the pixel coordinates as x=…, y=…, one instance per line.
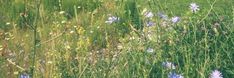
x=116, y=38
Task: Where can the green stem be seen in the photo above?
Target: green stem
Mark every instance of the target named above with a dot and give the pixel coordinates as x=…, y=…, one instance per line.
x=35, y=40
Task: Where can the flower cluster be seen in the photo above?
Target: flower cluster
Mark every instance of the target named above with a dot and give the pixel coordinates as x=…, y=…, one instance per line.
x=149, y=15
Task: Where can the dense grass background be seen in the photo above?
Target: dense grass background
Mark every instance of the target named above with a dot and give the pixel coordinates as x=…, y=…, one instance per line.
x=39, y=40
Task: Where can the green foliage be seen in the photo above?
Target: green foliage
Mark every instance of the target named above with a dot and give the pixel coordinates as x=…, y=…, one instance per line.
x=132, y=13
x=72, y=39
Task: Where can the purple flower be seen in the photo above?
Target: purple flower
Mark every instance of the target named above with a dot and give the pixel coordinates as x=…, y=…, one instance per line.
x=168, y=65
x=112, y=19
x=175, y=19
x=150, y=23
x=194, y=7
x=174, y=75
x=216, y=74
x=24, y=75
x=162, y=16
x=149, y=14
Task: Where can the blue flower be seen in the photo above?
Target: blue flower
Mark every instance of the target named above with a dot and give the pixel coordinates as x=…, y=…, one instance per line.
x=162, y=16
x=194, y=7
x=149, y=15
x=168, y=65
x=174, y=75
x=24, y=75
x=175, y=19
x=150, y=23
x=216, y=74
x=112, y=19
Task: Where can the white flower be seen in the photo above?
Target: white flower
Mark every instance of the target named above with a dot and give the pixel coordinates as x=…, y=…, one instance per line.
x=194, y=7
x=61, y=12
x=112, y=19
x=79, y=7
x=150, y=50
x=71, y=32
x=168, y=65
x=8, y=23
x=216, y=74
x=175, y=19
x=63, y=22
x=149, y=14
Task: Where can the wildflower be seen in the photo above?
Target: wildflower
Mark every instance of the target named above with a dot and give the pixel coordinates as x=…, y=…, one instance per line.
x=174, y=75
x=194, y=7
x=79, y=7
x=24, y=75
x=61, y=12
x=148, y=14
x=150, y=50
x=150, y=23
x=8, y=23
x=91, y=31
x=168, y=65
x=175, y=19
x=216, y=74
x=112, y=19
x=63, y=22
x=162, y=16
x=71, y=32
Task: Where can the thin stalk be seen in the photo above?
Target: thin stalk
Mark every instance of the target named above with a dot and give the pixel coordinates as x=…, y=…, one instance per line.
x=35, y=39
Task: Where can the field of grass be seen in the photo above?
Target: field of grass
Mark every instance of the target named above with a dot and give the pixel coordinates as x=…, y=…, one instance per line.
x=116, y=39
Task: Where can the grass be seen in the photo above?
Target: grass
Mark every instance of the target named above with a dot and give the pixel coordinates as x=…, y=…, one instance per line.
x=70, y=39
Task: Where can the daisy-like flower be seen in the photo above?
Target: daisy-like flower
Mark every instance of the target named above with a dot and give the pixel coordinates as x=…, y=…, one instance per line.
x=150, y=50
x=194, y=7
x=216, y=74
x=149, y=15
x=150, y=23
x=168, y=65
x=112, y=19
x=174, y=75
x=175, y=19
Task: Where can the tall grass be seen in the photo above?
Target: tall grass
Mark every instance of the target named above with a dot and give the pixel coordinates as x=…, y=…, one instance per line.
x=70, y=39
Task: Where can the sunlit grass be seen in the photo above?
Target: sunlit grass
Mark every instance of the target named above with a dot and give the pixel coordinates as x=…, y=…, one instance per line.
x=73, y=40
